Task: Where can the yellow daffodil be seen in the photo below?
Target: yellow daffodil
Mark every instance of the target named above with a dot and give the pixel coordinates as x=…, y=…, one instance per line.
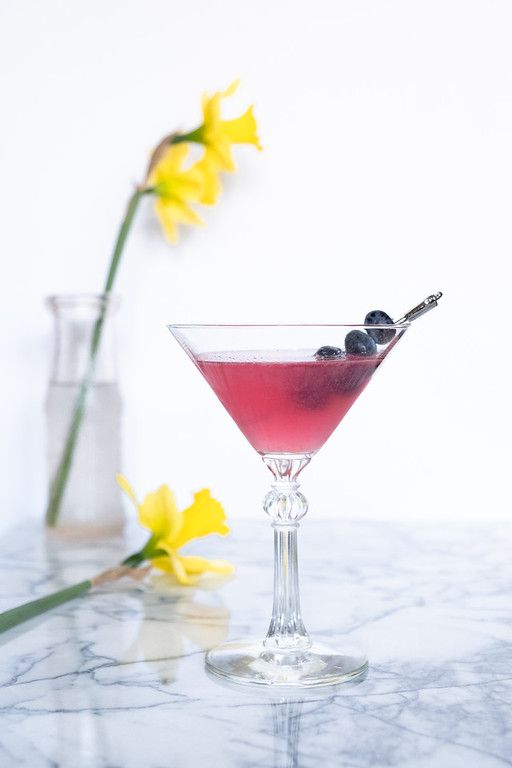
x=175, y=187
x=172, y=529
x=218, y=135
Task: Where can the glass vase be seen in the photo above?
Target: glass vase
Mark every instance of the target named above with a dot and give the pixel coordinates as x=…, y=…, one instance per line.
x=90, y=504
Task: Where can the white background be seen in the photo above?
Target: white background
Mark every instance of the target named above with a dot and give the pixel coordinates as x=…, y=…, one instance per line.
x=386, y=175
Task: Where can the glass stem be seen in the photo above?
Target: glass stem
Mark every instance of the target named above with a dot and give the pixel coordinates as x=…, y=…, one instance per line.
x=286, y=506
x=286, y=629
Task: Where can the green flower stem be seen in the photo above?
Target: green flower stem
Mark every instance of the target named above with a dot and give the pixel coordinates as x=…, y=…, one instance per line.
x=196, y=136
x=62, y=472
x=15, y=616
x=134, y=560
x=133, y=204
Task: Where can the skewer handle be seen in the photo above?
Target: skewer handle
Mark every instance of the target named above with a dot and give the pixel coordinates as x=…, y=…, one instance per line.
x=429, y=303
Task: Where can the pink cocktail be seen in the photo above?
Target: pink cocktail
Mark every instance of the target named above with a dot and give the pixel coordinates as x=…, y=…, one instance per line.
x=286, y=403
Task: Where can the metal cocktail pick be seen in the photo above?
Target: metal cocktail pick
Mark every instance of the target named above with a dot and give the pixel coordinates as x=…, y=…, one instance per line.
x=429, y=303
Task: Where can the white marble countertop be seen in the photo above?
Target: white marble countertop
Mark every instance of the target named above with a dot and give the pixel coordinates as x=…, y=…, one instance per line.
x=116, y=678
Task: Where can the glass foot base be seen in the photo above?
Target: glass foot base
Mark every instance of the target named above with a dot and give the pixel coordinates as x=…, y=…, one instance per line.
x=251, y=663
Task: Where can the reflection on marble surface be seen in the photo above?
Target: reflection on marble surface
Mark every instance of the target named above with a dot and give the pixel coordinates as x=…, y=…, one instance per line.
x=286, y=716
x=116, y=679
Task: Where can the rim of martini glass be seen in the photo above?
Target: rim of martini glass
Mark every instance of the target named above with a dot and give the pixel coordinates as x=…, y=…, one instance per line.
x=396, y=326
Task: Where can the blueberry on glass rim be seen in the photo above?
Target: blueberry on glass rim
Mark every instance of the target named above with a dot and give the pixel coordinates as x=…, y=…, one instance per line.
x=360, y=343
x=380, y=335
x=329, y=353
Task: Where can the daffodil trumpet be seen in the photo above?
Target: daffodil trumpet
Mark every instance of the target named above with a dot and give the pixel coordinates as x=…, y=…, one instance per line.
x=170, y=530
x=177, y=187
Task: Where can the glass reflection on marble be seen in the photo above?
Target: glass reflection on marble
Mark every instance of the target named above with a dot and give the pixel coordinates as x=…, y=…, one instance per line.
x=187, y=622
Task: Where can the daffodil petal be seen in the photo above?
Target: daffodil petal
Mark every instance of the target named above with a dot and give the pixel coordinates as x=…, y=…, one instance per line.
x=162, y=563
x=186, y=185
x=172, y=212
x=241, y=130
x=218, y=152
x=173, y=564
x=211, y=104
x=186, y=215
x=180, y=187
x=175, y=156
x=181, y=213
x=170, y=163
x=211, y=109
x=231, y=88
x=211, y=183
x=167, y=221
x=206, y=515
x=127, y=488
x=181, y=572
x=159, y=513
x=197, y=565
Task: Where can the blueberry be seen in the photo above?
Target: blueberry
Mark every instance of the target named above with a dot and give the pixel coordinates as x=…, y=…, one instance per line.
x=329, y=352
x=380, y=335
x=360, y=343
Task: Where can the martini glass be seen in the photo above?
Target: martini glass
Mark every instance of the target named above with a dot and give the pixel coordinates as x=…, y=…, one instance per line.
x=287, y=390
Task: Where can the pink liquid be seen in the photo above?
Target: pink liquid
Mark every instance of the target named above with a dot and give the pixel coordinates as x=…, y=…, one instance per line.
x=286, y=405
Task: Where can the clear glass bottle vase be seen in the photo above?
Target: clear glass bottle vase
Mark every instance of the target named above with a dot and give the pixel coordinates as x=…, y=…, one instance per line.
x=90, y=504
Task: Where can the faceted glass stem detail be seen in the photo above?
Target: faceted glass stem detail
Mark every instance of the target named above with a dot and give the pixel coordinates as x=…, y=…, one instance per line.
x=286, y=506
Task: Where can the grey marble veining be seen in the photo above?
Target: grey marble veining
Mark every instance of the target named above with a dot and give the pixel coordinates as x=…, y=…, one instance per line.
x=116, y=679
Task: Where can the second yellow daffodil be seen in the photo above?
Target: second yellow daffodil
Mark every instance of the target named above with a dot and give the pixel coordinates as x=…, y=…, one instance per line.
x=171, y=529
x=175, y=188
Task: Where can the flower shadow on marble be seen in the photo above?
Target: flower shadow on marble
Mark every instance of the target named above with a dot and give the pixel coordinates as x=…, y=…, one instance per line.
x=176, y=624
